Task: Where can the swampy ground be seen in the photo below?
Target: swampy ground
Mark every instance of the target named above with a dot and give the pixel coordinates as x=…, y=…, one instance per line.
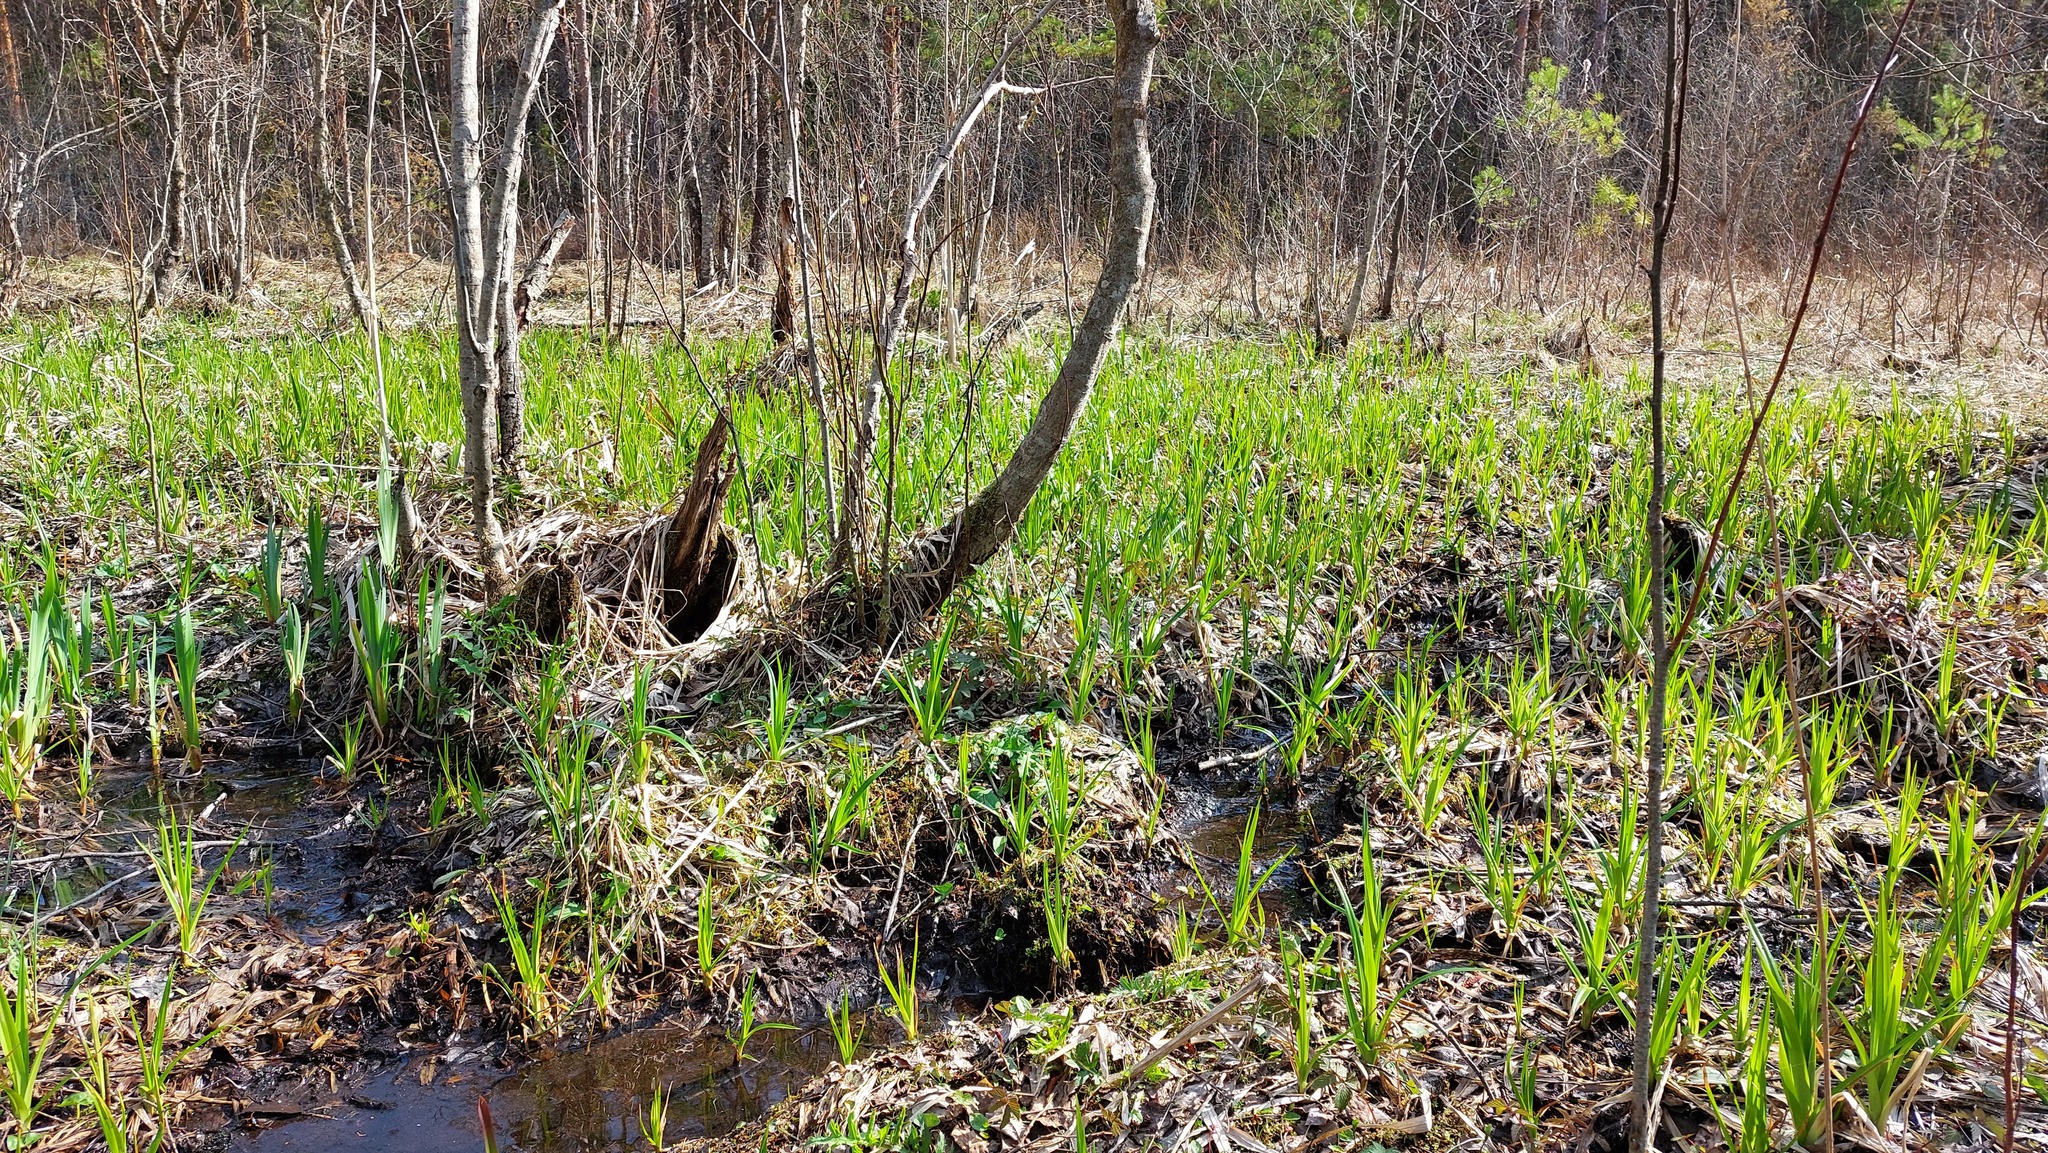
x=1274, y=790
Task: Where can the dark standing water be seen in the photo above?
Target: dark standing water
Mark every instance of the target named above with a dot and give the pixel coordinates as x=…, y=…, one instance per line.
x=595, y=1098
x=590, y=1099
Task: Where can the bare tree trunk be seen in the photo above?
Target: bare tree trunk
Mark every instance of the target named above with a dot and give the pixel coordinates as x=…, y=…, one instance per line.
x=165, y=258
x=791, y=46
x=504, y=223
x=1670, y=150
x=1383, y=309
x=259, y=73
x=329, y=201
x=512, y=325
x=938, y=561
x=162, y=32
x=483, y=261
x=1601, y=19
x=892, y=71
x=477, y=360
x=14, y=169
x=699, y=192
x=586, y=146
x=1393, y=114
x=767, y=144
x=540, y=268
x=10, y=70
x=782, y=315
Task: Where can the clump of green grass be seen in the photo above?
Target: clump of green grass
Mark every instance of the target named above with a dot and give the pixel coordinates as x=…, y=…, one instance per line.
x=901, y=985
x=26, y=1032
x=378, y=644
x=750, y=1023
x=846, y=1031
x=927, y=691
x=1245, y=918
x=531, y=982
x=187, y=886
x=26, y=695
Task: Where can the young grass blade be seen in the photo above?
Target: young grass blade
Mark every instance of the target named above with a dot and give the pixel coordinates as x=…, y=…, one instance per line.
x=902, y=989
x=185, y=667
x=846, y=1032
x=26, y=1032
x=1244, y=893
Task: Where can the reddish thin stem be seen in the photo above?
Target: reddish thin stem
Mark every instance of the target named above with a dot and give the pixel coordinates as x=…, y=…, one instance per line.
x=1820, y=239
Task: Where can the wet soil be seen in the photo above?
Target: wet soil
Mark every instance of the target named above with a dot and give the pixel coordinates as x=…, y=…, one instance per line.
x=288, y=811
x=595, y=1096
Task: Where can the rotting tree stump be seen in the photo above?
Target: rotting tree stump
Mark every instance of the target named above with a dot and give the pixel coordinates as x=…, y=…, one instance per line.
x=699, y=557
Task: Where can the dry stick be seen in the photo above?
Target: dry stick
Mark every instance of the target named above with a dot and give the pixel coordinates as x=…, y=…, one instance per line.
x=1820, y=239
x=1261, y=980
x=1670, y=152
x=156, y=488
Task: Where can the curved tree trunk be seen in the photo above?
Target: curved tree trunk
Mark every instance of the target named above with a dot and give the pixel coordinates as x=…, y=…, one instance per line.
x=937, y=562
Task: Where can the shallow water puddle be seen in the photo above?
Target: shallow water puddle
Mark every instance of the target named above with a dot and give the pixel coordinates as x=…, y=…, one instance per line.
x=278, y=809
x=595, y=1098
x=1216, y=842
x=585, y=1099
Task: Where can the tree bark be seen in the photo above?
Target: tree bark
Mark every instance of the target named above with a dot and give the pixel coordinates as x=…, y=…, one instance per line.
x=160, y=270
x=585, y=85
x=477, y=360
x=259, y=73
x=1383, y=308
x=324, y=191
x=765, y=194
x=504, y=225
x=14, y=169
x=532, y=283
x=485, y=311
x=782, y=316
x=10, y=70
x=540, y=269
x=937, y=562
x=699, y=186
x=162, y=32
